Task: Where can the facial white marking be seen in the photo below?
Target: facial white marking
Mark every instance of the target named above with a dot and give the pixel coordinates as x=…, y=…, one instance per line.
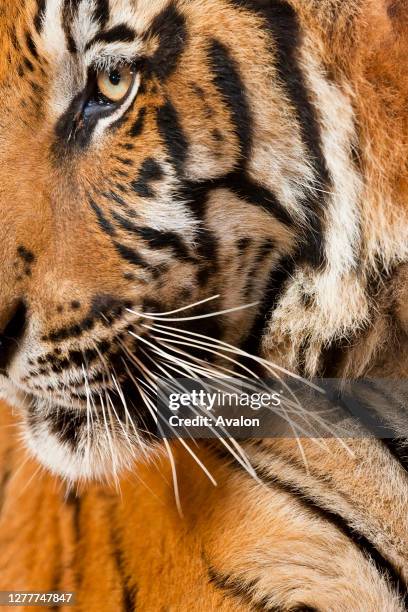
x=138, y=16
x=52, y=36
x=9, y=393
x=84, y=27
x=99, y=461
x=337, y=134
x=107, y=55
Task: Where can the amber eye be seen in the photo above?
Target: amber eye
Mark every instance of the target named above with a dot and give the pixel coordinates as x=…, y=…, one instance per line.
x=115, y=84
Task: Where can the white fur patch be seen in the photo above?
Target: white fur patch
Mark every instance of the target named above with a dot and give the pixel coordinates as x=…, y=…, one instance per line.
x=11, y=394
x=337, y=130
x=52, y=35
x=105, y=458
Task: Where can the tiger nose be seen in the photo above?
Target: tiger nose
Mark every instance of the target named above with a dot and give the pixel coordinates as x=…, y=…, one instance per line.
x=11, y=334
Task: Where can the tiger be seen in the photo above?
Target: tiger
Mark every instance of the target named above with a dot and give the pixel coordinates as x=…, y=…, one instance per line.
x=179, y=178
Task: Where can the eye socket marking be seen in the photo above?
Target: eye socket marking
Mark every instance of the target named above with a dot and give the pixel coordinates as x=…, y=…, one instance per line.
x=109, y=93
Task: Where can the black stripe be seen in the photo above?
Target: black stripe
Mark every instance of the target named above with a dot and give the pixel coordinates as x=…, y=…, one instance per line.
x=277, y=282
x=282, y=23
x=14, y=40
x=7, y=473
x=257, y=268
x=74, y=6
x=129, y=588
x=398, y=447
x=65, y=129
x=111, y=195
x=138, y=125
x=57, y=570
x=126, y=161
x=171, y=132
x=156, y=239
x=169, y=27
x=69, y=12
x=39, y=15
x=120, y=33
x=247, y=189
x=149, y=171
x=105, y=225
x=333, y=354
x=367, y=548
x=27, y=256
x=196, y=195
x=74, y=501
x=101, y=12
x=131, y=255
x=30, y=68
x=246, y=592
x=240, y=590
x=243, y=244
x=31, y=46
x=163, y=240
x=360, y=410
x=227, y=79
x=142, y=189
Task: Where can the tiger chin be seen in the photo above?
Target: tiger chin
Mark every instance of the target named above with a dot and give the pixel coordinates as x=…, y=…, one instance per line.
x=198, y=186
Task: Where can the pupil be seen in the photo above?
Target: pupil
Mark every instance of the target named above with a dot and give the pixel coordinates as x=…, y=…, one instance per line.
x=115, y=77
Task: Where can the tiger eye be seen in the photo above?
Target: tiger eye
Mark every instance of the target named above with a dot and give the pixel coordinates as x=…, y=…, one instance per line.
x=115, y=84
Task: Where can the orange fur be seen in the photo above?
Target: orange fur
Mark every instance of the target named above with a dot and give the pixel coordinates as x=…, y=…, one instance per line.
x=243, y=544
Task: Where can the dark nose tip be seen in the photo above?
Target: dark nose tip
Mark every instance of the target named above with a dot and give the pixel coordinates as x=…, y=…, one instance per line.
x=12, y=334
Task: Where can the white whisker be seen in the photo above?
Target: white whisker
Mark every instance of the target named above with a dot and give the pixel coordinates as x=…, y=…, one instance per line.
x=269, y=367
x=151, y=408
x=205, y=316
x=243, y=460
x=170, y=312
x=88, y=416
x=237, y=351
x=110, y=443
x=156, y=412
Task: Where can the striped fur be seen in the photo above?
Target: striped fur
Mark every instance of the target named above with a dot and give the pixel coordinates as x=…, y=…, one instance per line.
x=259, y=155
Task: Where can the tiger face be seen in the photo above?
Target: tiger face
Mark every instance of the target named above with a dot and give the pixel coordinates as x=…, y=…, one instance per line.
x=156, y=155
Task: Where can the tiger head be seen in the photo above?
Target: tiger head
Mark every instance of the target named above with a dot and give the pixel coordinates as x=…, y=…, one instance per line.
x=164, y=161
